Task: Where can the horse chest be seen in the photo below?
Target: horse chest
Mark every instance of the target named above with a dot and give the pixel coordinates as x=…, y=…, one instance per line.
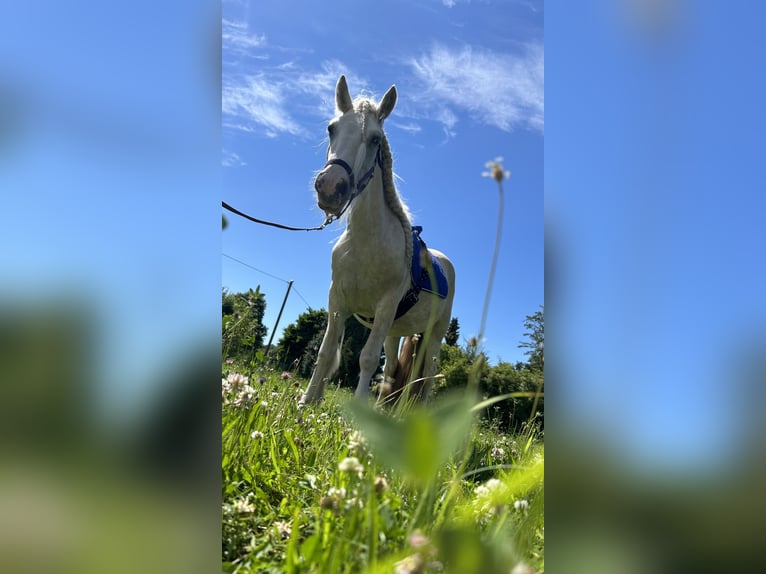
x=362, y=277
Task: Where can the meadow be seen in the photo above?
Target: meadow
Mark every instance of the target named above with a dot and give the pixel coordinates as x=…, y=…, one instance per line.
x=344, y=487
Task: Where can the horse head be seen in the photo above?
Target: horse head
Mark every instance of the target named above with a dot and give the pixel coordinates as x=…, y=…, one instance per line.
x=355, y=135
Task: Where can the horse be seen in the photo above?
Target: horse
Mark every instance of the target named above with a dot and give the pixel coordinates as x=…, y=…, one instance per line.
x=372, y=261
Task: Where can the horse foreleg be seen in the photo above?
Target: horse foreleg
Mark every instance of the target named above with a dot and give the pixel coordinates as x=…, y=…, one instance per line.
x=328, y=357
x=369, y=358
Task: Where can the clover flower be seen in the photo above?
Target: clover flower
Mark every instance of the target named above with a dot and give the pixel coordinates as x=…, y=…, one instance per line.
x=351, y=464
x=356, y=442
x=243, y=506
x=380, y=485
x=489, y=498
x=284, y=528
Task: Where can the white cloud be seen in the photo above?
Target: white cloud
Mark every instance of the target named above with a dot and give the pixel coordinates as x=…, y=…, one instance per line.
x=231, y=159
x=502, y=90
x=409, y=127
x=255, y=100
x=236, y=38
x=271, y=102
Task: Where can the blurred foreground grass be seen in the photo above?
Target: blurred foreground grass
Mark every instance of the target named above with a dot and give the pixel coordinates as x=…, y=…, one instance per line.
x=341, y=487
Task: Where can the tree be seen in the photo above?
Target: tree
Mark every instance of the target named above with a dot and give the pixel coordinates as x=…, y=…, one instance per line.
x=536, y=343
x=243, y=330
x=505, y=378
x=453, y=333
x=297, y=349
x=298, y=337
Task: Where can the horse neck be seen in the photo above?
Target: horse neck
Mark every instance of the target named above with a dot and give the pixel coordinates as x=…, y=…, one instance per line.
x=376, y=209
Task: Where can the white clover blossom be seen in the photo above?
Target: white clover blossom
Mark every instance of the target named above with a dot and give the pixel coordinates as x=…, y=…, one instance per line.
x=356, y=442
x=489, y=498
x=355, y=502
x=522, y=568
x=235, y=380
x=243, y=506
x=256, y=434
x=337, y=492
x=380, y=484
x=409, y=565
x=351, y=464
x=521, y=505
x=488, y=488
x=284, y=528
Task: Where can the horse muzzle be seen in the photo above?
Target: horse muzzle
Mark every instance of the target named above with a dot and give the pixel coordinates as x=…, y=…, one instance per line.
x=332, y=187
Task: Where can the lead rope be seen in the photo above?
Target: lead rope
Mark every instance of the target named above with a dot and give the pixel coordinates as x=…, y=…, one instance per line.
x=330, y=218
x=328, y=221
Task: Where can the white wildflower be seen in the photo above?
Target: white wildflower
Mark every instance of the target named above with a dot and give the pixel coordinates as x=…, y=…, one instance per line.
x=351, y=464
x=283, y=528
x=409, y=565
x=522, y=568
x=337, y=492
x=496, y=170
x=356, y=442
x=235, y=380
x=256, y=434
x=489, y=498
x=521, y=505
x=243, y=506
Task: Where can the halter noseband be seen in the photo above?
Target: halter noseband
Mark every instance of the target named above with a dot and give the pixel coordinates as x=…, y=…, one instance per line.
x=360, y=186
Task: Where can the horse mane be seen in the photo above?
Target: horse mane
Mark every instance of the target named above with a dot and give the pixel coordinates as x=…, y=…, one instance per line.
x=392, y=197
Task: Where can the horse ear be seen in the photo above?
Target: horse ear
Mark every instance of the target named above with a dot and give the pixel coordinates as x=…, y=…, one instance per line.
x=386, y=105
x=342, y=97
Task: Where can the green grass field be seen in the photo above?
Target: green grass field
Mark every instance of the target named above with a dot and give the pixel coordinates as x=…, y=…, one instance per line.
x=343, y=487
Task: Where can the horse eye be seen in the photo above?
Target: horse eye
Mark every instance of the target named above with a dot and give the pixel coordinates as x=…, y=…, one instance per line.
x=375, y=140
x=331, y=130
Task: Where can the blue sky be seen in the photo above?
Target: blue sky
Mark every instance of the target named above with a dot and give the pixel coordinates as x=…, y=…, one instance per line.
x=470, y=81
x=106, y=172
x=654, y=198
x=655, y=212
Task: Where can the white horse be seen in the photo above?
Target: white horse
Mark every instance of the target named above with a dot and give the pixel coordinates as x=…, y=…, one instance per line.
x=372, y=261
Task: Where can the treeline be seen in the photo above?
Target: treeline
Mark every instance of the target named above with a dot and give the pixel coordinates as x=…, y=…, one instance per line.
x=243, y=337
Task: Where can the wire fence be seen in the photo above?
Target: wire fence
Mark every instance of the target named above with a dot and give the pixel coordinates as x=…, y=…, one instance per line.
x=286, y=281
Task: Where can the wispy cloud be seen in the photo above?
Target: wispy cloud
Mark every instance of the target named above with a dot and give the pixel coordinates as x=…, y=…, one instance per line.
x=257, y=101
x=282, y=99
x=237, y=39
x=409, y=127
x=231, y=159
x=498, y=89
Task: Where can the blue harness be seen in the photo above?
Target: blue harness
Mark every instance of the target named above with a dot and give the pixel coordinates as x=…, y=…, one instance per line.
x=421, y=276
x=420, y=279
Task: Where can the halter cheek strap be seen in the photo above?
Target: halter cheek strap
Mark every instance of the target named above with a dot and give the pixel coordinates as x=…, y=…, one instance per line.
x=361, y=185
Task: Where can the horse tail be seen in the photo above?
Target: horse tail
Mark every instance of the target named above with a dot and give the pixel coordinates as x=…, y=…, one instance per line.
x=405, y=365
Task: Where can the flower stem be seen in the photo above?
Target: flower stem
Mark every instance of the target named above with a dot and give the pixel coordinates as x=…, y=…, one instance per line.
x=501, y=203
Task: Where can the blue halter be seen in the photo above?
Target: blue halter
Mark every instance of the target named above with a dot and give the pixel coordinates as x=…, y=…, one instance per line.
x=360, y=187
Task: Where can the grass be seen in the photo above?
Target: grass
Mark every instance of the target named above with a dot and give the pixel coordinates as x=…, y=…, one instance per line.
x=342, y=487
